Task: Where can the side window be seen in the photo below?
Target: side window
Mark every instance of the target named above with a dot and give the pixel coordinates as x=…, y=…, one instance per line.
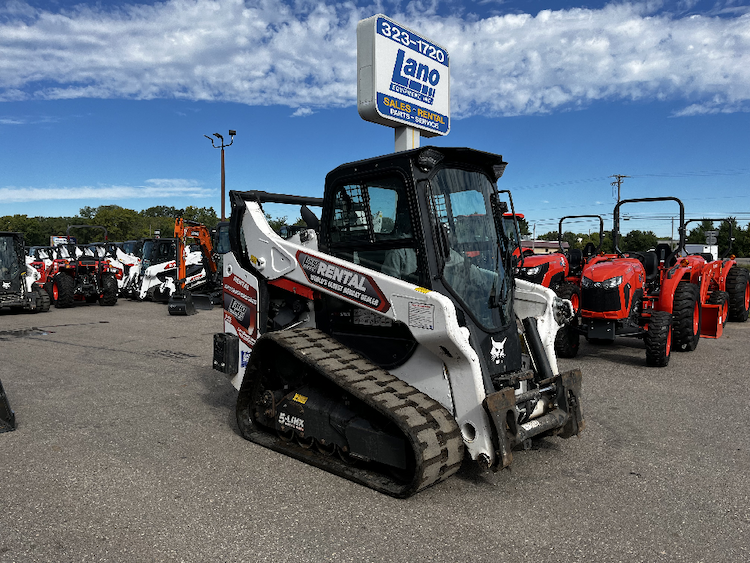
x=349, y=221
x=383, y=202
x=374, y=210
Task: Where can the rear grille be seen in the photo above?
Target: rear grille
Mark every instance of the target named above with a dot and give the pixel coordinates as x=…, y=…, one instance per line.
x=598, y=299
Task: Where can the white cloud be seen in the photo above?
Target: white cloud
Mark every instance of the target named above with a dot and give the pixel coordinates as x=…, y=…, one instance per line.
x=303, y=55
x=154, y=188
x=302, y=112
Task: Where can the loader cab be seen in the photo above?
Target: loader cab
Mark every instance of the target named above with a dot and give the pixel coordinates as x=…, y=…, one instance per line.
x=157, y=251
x=12, y=262
x=429, y=217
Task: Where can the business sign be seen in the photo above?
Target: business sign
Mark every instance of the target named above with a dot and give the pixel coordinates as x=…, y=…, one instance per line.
x=403, y=79
x=55, y=240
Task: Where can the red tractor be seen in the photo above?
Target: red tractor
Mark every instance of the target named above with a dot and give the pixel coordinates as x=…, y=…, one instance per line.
x=728, y=286
x=74, y=276
x=657, y=295
x=561, y=272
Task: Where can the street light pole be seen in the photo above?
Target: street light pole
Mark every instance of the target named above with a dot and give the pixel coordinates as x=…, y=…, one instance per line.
x=232, y=133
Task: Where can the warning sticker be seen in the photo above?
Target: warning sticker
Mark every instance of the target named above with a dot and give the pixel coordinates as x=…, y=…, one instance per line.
x=422, y=315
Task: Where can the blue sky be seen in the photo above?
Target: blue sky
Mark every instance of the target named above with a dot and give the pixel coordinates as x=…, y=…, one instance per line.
x=107, y=103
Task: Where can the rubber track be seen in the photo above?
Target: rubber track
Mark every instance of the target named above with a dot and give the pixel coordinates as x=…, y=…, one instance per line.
x=435, y=437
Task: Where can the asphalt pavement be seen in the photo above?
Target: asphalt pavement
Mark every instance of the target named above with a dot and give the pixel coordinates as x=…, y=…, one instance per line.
x=127, y=451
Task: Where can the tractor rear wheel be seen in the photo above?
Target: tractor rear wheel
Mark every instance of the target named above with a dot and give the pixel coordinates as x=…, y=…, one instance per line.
x=63, y=288
x=109, y=290
x=738, y=288
x=686, y=317
x=567, y=340
x=658, y=339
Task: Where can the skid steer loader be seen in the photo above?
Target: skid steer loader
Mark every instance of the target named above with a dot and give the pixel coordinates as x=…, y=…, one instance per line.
x=388, y=339
x=19, y=281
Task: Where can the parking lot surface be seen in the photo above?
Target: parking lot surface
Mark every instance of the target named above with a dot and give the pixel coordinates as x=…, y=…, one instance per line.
x=127, y=450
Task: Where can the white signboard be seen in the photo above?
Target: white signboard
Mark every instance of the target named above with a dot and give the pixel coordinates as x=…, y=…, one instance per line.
x=403, y=79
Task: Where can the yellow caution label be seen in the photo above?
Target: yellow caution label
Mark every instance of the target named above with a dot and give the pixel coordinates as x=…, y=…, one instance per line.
x=422, y=289
x=299, y=398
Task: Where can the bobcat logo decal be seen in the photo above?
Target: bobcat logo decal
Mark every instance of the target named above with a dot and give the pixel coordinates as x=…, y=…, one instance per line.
x=498, y=350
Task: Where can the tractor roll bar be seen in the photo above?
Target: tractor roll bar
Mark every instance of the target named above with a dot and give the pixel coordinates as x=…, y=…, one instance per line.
x=601, y=229
x=727, y=220
x=680, y=229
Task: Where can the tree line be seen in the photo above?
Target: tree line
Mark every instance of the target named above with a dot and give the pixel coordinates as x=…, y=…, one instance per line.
x=639, y=241
x=121, y=223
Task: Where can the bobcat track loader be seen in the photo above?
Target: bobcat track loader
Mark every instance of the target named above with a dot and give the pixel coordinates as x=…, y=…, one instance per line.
x=389, y=340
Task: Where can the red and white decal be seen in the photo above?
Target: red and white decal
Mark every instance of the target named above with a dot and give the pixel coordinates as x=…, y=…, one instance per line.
x=343, y=281
x=241, y=308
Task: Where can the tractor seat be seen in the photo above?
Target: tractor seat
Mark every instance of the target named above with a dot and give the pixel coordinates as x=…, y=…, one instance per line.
x=589, y=250
x=651, y=265
x=664, y=254
x=575, y=259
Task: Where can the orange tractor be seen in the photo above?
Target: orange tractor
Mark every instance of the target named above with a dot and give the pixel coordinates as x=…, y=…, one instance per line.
x=659, y=295
x=728, y=286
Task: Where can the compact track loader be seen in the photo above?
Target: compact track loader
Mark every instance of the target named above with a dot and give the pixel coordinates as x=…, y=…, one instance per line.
x=19, y=287
x=389, y=340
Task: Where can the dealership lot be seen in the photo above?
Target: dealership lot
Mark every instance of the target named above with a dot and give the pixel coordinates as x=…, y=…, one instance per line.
x=127, y=450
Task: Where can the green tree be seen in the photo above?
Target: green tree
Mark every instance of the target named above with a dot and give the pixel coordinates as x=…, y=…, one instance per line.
x=121, y=223
x=523, y=227
x=163, y=211
x=552, y=235
x=697, y=235
x=638, y=241
x=204, y=215
x=87, y=212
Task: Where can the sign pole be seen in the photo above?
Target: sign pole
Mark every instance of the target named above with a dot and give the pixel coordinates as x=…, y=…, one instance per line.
x=407, y=138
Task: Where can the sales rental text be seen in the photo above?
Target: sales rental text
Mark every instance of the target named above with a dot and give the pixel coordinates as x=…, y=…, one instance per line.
x=412, y=113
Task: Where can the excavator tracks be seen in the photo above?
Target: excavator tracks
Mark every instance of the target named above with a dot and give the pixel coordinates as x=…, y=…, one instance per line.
x=424, y=425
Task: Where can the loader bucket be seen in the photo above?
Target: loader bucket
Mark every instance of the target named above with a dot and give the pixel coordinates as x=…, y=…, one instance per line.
x=712, y=323
x=181, y=304
x=7, y=416
x=203, y=301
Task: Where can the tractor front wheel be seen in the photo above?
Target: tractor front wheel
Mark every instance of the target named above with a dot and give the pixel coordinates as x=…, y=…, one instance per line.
x=658, y=339
x=686, y=317
x=738, y=287
x=568, y=338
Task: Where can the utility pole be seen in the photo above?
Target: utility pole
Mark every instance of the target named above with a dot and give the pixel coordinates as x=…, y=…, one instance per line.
x=232, y=133
x=618, y=183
